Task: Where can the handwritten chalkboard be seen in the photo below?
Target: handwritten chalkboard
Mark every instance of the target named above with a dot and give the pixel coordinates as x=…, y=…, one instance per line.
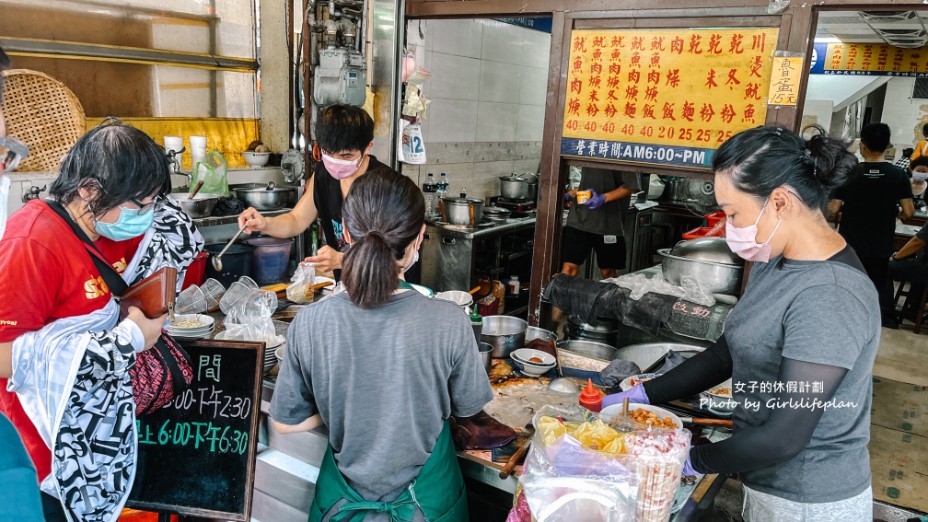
x=197, y=455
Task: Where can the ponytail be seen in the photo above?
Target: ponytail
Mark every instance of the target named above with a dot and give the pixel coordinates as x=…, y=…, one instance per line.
x=383, y=214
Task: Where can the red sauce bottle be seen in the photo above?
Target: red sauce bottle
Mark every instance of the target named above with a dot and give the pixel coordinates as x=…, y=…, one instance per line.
x=590, y=398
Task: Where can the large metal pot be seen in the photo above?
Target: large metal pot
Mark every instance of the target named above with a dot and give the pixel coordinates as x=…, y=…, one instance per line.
x=532, y=180
x=604, y=331
x=461, y=211
x=505, y=333
x=263, y=196
x=512, y=187
x=200, y=206
x=708, y=260
x=496, y=213
x=590, y=349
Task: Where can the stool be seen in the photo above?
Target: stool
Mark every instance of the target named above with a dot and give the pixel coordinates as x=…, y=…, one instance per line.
x=904, y=291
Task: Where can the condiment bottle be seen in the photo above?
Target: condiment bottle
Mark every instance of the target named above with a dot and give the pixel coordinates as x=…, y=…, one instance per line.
x=590, y=398
x=476, y=322
x=513, y=285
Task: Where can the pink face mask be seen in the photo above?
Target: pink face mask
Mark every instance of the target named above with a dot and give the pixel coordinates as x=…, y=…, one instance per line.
x=339, y=168
x=743, y=240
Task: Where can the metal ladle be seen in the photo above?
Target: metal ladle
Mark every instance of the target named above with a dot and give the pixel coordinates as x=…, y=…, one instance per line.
x=217, y=263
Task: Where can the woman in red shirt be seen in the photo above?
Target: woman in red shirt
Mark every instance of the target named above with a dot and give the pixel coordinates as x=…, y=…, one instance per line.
x=113, y=185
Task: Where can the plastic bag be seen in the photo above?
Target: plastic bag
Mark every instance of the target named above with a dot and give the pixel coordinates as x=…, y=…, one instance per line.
x=659, y=456
x=300, y=290
x=564, y=481
x=212, y=170
x=642, y=283
x=257, y=331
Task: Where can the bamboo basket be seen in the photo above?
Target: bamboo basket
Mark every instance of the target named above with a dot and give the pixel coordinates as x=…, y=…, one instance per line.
x=44, y=114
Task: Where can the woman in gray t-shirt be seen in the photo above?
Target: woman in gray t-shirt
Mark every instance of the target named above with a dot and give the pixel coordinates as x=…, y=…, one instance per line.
x=384, y=368
x=799, y=346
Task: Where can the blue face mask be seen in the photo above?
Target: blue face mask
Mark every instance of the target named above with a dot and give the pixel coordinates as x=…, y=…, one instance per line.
x=129, y=225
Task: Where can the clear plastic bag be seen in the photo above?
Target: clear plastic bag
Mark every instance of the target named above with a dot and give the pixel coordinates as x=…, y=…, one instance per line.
x=300, y=290
x=257, y=331
x=564, y=481
x=650, y=282
x=659, y=456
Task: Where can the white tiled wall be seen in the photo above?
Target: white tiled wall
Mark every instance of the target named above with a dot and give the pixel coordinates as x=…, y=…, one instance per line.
x=488, y=89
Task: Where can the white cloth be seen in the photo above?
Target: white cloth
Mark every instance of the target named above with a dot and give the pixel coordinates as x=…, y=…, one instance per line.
x=72, y=379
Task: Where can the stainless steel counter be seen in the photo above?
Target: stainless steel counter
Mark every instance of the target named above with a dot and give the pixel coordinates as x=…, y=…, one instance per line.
x=482, y=231
x=453, y=256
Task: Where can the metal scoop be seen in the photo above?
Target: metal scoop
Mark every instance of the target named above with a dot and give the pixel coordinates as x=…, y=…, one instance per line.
x=217, y=262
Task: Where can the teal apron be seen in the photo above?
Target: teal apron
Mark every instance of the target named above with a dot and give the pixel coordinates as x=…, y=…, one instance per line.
x=438, y=490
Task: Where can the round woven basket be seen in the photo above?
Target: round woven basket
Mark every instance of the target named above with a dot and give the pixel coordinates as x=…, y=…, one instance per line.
x=44, y=114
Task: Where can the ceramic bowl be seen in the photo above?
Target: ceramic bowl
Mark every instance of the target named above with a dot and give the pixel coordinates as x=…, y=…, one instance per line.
x=522, y=358
x=256, y=159
x=717, y=401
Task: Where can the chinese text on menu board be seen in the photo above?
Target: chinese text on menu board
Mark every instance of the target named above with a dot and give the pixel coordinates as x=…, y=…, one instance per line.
x=876, y=59
x=664, y=96
x=206, y=400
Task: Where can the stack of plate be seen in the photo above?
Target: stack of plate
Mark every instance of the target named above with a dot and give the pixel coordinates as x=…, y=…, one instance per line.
x=191, y=326
x=270, y=352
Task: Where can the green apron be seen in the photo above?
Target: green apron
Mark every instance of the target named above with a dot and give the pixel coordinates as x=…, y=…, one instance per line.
x=438, y=490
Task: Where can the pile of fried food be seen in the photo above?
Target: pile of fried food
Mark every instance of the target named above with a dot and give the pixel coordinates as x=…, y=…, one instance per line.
x=651, y=419
x=598, y=435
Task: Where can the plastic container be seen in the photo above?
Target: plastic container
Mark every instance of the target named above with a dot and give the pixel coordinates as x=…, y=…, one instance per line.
x=196, y=272
x=590, y=398
x=513, y=285
x=699, y=232
x=270, y=259
x=714, y=217
x=236, y=262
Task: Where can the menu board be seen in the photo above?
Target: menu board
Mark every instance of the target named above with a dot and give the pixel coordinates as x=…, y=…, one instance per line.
x=875, y=59
x=196, y=456
x=664, y=96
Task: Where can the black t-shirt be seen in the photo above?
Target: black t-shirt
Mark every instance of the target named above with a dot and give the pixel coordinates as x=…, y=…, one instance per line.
x=327, y=195
x=868, y=217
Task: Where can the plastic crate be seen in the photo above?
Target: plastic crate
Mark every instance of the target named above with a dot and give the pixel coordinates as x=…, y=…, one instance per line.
x=714, y=217
x=699, y=232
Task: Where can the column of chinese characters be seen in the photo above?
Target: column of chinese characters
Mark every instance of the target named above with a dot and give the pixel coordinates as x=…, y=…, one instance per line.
x=852, y=51
x=837, y=56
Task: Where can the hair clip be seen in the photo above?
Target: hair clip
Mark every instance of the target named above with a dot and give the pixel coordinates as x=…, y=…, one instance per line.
x=807, y=152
